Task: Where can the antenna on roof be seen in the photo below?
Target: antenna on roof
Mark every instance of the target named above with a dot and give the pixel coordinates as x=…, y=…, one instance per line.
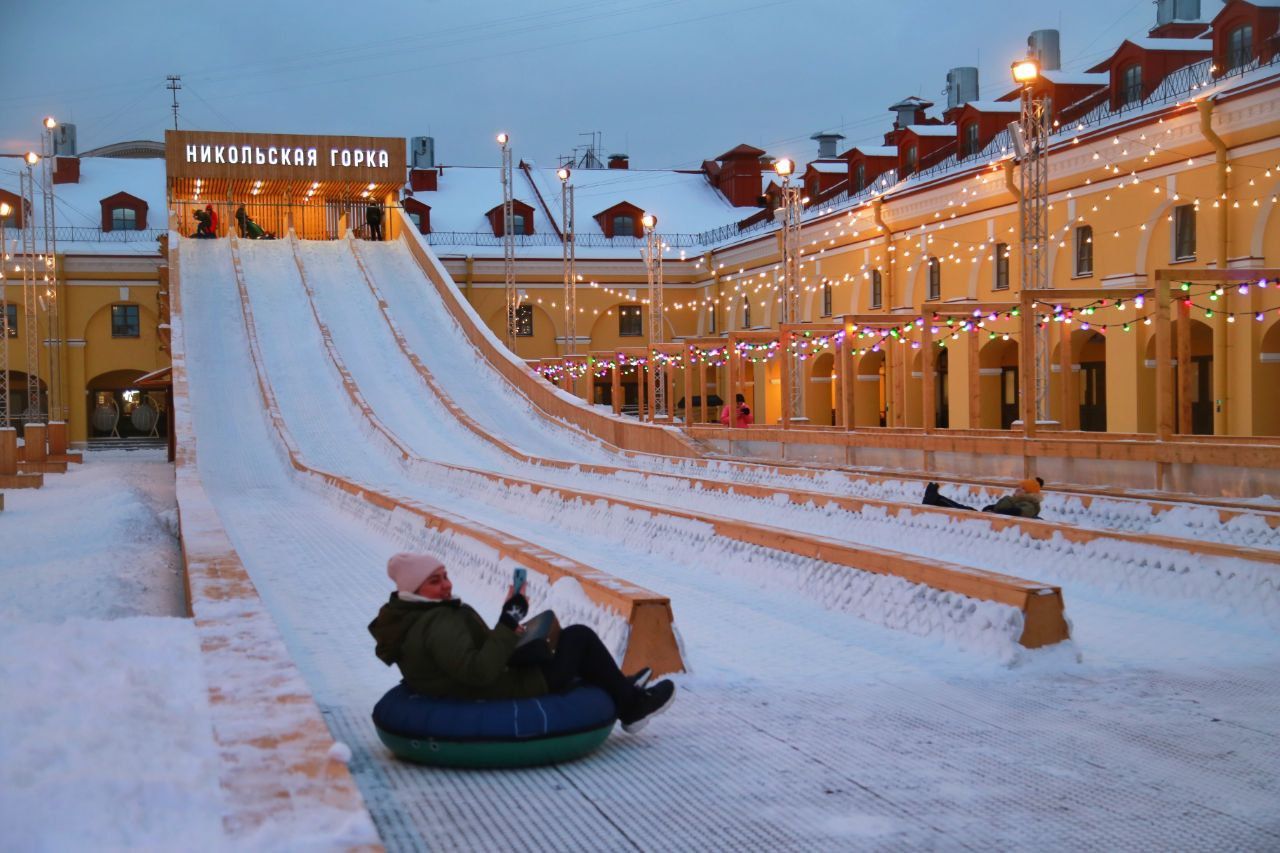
x=174, y=84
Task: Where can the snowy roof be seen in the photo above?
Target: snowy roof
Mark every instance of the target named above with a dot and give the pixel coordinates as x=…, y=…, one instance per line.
x=1076, y=78
x=997, y=106
x=876, y=150
x=467, y=193
x=932, y=129
x=684, y=202
x=830, y=166
x=77, y=205
x=1202, y=45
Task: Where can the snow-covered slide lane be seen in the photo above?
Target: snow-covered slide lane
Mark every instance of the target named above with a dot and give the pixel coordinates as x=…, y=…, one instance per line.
x=1110, y=563
x=325, y=270
x=882, y=739
x=470, y=380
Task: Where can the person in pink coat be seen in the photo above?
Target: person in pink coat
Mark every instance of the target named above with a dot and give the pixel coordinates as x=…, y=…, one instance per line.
x=743, y=416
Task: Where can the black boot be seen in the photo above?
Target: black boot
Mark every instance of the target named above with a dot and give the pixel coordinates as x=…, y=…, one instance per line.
x=647, y=704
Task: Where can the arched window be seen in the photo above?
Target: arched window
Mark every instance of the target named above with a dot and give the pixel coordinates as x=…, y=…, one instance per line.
x=630, y=321
x=935, y=279
x=624, y=225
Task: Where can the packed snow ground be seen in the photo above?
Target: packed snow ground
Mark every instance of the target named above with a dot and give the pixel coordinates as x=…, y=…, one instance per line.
x=799, y=726
x=105, y=736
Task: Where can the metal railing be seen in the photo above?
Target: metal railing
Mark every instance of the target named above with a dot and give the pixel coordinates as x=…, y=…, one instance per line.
x=487, y=238
x=78, y=234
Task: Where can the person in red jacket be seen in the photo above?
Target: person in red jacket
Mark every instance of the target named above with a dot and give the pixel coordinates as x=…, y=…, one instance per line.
x=213, y=218
x=743, y=416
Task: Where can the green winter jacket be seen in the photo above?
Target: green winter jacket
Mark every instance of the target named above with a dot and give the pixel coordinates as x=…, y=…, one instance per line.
x=1027, y=506
x=444, y=648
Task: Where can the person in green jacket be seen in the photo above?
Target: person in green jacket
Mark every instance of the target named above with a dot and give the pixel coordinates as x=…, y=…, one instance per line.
x=444, y=648
x=1025, y=500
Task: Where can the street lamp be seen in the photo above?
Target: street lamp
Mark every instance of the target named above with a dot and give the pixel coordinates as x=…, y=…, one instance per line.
x=30, y=302
x=5, y=210
x=653, y=267
x=1031, y=144
x=789, y=210
x=509, y=244
x=57, y=404
x=570, y=261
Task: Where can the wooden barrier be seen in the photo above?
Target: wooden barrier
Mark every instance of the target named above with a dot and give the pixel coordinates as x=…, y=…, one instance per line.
x=616, y=431
x=10, y=478
x=57, y=436
x=272, y=741
x=34, y=449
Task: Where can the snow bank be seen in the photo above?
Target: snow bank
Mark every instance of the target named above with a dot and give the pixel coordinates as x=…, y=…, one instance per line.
x=86, y=699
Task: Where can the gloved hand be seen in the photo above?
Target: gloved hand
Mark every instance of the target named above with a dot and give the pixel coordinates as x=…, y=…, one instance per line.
x=513, y=611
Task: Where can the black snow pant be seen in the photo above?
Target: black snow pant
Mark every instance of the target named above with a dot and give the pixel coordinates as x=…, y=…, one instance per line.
x=932, y=498
x=580, y=655
x=375, y=231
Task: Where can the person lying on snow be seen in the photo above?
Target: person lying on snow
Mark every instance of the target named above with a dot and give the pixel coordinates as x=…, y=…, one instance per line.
x=444, y=648
x=1025, y=500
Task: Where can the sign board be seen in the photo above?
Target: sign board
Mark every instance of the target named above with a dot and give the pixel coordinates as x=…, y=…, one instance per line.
x=213, y=155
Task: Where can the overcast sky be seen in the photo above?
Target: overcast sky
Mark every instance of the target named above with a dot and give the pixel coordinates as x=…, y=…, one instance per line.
x=670, y=82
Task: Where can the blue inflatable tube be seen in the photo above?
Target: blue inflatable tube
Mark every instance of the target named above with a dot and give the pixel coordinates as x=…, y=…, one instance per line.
x=493, y=732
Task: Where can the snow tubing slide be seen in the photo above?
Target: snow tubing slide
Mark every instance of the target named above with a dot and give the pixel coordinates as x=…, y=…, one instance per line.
x=493, y=732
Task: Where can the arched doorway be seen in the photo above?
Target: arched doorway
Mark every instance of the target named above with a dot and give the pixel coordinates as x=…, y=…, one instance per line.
x=1200, y=380
x=941, y=397
x=119, y=409
x=1266, y=417
x=1091, y=355
x=820, y=403
x=869, y=402
x=998, y=383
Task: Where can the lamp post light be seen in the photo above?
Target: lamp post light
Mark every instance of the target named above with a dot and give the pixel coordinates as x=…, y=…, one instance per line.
x=509, y=243
x=789, y=210
x=57, y=406
x=30, y=301
x=5, y=210
x=1030, y=142
x=653, y=267
x=570, y=262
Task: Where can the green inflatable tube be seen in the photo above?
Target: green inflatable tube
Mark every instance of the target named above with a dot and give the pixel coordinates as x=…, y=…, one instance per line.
x=488, y=754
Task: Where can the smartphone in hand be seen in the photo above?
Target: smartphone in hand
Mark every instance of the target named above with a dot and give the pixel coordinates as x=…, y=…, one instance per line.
x=518, y=578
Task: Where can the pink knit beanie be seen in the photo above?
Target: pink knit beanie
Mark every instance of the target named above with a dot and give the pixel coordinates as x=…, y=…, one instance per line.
x=410, y=570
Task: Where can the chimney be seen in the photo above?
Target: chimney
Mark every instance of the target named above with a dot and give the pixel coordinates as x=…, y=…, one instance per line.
x=1177, y=19
x=66, y=170
x=910, y=111
x=422, y=152
x=827, y=143
x=64, y=140
x=962, y=86
x=1043, y=45
x=619, y=161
